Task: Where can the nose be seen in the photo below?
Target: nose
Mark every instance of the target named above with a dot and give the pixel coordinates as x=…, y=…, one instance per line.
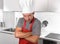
x=27, y=18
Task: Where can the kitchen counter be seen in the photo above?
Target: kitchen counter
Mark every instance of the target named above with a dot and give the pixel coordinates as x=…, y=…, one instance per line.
x=42, y=36
x=45, y=32
x=8, y=38
x=7, y=32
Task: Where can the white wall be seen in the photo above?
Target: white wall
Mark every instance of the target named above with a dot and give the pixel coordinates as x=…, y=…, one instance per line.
x=9, y=19
x=1, y=10
x=17, y=16
x=53, y=20
x=1, y=15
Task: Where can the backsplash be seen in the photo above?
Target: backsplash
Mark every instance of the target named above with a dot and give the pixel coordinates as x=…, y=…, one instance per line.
x=53, y=20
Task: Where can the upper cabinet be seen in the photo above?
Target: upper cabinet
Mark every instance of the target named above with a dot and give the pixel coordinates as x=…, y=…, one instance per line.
x=54, y=5
x=47, y=5
x=1, y=4
x=39, y=5
x=11, y=5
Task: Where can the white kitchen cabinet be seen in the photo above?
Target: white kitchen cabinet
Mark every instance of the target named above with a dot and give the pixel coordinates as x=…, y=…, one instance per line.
x=47, y=5
x=54, y=5
x=8, y=39
x=11, y=5
x=41, y=5
x=1, y=4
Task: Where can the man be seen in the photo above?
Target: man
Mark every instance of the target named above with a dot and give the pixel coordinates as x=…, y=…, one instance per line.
x=28, y=27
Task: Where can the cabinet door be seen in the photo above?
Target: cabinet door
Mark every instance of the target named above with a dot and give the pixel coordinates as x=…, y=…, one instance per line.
x=40, y=5
x=11, y=5
x=8, y=39
x=1, y=4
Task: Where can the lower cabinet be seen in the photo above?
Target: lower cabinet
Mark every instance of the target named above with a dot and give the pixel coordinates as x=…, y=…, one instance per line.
x=40, y=41
x=8, y=39
x=49, y=42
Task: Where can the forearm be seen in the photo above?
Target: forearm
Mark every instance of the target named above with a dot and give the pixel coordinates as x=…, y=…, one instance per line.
x=32, y=39
x=22, y=34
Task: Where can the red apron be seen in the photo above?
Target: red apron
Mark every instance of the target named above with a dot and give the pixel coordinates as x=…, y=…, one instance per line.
x=22, y=40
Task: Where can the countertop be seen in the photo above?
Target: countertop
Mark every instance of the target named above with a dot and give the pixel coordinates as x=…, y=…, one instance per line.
x=43, y=34
x=7, y=32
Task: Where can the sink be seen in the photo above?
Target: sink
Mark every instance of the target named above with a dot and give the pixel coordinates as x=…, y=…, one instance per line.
x=53, y=36
x=10, y=29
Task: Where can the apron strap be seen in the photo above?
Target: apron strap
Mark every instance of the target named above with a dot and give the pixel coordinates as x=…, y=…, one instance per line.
x=31, y=24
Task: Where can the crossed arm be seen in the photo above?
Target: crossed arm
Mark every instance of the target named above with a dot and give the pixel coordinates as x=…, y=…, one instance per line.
x=28, y=36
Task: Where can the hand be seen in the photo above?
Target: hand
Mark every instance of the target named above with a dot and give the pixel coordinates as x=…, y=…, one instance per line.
x=28, y=34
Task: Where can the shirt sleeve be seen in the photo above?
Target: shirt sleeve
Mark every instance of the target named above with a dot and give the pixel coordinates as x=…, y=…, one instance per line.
x=37, y=28
x=19, y=24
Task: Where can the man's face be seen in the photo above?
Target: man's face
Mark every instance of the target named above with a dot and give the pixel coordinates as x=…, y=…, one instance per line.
x=28, y=16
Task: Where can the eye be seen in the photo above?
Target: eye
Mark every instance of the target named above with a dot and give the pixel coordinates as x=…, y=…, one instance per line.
x=29, y=15
x=23, y=15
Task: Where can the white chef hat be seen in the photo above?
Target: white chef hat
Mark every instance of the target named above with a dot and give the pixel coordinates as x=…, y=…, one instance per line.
x=27, y=6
